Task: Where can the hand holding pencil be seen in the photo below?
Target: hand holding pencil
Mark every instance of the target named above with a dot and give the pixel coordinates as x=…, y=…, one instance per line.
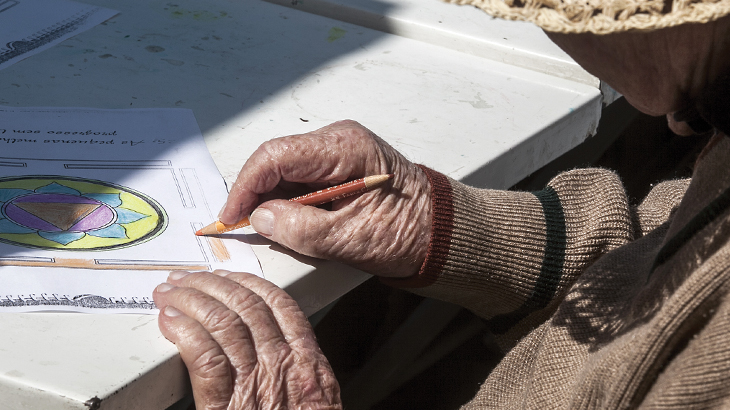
x=384, y=231
x=320, y=197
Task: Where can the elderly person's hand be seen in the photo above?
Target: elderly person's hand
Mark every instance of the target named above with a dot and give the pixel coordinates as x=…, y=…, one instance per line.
x=245, y=342
x=384, y=232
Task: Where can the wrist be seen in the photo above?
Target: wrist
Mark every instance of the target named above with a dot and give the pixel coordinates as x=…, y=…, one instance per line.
x=434, y=252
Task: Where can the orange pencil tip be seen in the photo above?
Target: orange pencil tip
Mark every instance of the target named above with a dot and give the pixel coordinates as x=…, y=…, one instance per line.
x=199, y=232
x=391, y=176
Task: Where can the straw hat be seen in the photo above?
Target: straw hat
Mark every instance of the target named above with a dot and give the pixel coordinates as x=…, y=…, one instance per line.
x=604, y=16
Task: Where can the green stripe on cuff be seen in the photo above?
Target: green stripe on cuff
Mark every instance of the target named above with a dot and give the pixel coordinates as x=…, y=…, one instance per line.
x=552, y=266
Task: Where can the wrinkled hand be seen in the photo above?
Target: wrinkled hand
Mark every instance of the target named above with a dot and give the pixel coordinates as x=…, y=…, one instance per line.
x=384, y=232
x=245, y=342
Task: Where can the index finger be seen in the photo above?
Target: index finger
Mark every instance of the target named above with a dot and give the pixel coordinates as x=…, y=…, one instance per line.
x=317, y=157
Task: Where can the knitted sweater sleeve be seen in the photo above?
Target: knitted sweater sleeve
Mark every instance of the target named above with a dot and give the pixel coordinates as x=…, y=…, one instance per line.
x=510, y=256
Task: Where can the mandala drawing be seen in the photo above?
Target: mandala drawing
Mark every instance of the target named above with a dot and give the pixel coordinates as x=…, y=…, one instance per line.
x=64, y=213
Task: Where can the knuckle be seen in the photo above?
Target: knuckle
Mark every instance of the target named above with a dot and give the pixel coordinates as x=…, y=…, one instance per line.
x=278, y=299
x=348, y=123
x=244, y=300
x=189, y=296
x=219, y=318
x=313, y=382
x=271, y=149
x=211, y=363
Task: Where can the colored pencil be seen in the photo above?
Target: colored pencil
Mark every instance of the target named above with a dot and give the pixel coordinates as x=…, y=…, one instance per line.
x=323, y=196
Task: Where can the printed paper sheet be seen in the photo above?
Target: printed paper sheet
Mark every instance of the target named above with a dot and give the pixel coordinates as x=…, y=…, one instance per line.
x=97, y=206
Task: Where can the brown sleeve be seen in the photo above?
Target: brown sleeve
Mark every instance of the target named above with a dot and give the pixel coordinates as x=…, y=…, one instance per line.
x=506, y=255
x=658, y=205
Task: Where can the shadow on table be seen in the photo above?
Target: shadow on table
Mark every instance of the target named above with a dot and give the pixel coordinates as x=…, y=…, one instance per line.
x=220, y=59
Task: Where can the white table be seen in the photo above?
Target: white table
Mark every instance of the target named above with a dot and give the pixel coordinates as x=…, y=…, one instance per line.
x=442, y=88
x=466, y=29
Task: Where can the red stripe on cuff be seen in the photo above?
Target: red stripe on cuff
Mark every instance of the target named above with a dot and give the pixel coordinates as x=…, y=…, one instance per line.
x=442, y=226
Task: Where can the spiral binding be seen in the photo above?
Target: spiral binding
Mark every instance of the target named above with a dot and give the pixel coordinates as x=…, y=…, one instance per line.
x=81, y=301
x=45, y=36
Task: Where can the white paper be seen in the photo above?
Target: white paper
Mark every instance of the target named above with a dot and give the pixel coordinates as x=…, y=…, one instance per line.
x=97, y=206
x=28, y=27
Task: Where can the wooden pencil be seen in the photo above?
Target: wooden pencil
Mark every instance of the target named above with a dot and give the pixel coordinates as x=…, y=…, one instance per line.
x=323, y=196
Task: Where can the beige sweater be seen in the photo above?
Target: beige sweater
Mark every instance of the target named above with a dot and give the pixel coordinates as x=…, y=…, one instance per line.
x=600, y=305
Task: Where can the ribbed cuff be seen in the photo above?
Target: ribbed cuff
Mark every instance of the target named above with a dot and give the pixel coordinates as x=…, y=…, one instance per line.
x=442, y=226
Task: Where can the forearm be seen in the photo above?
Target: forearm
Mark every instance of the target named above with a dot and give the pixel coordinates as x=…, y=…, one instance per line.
x=506, y=255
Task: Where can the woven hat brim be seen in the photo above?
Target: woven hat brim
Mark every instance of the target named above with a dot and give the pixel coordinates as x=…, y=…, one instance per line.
x=561, y=16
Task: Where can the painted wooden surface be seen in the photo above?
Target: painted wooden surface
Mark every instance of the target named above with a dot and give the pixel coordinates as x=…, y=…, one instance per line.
x=252, y=71
x=462, y=28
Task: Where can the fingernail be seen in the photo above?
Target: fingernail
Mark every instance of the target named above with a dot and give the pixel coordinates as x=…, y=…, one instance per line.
x=170, y=311
x=221, y=211
x=164, y=287
x=222, y=272
x=178, y=274
x=262, y=220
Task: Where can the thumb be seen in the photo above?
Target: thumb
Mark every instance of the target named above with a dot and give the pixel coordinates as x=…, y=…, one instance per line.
x=262, y=221
x=304, y=229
